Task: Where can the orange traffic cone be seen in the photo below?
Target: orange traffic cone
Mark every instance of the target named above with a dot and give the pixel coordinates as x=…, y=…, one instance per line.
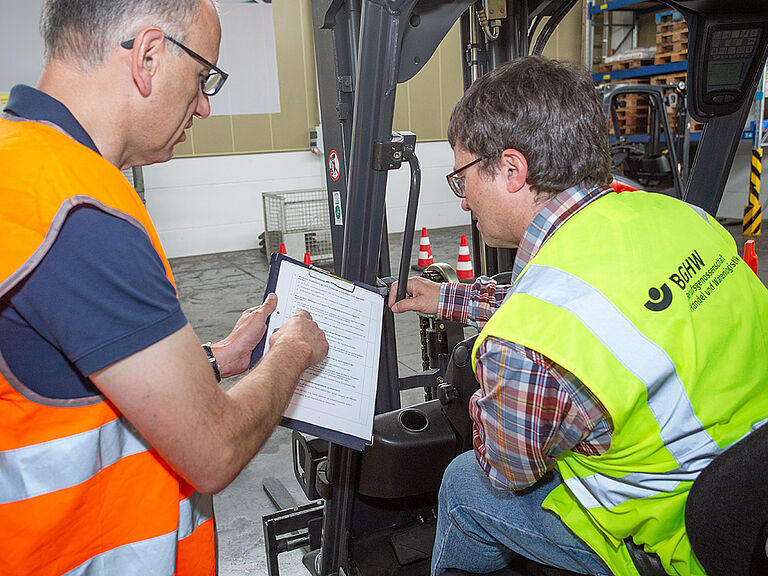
x=425, y=252
x=282, y=249
x=750, y=256
x=464, y=266
x=307, y=259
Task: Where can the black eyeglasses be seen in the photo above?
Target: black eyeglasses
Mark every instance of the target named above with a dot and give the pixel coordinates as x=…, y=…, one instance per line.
x=212, y=83
x=456, y=182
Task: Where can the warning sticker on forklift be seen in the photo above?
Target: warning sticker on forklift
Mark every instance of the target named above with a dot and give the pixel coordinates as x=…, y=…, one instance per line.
x=334, y=165
x=338, y=220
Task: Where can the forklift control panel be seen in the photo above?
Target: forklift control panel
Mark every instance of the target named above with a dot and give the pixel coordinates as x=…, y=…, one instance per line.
x=730, y=53
x=725, y=66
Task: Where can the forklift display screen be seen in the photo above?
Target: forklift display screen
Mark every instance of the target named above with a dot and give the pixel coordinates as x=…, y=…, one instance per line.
x=730, y=51
x=725, y=74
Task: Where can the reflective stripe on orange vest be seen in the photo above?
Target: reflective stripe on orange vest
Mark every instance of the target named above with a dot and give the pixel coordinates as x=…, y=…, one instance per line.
x=81, y=492
x=65, y=462
x=153, y=557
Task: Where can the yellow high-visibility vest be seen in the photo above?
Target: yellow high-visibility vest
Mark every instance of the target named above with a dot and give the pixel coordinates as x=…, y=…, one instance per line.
x=645, y=299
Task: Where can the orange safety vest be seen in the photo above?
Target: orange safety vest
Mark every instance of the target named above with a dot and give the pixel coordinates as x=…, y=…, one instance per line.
x=81, y=492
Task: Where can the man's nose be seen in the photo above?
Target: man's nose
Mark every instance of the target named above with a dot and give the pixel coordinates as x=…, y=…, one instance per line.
x=203, y=108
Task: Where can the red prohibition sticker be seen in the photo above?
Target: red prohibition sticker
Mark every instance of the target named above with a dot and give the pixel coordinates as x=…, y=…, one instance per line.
x=334, y=166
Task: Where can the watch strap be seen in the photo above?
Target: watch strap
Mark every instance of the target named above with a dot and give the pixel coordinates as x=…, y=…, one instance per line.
x=212, y=361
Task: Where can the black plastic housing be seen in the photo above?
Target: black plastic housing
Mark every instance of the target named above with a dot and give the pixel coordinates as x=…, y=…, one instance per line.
x=411, y=449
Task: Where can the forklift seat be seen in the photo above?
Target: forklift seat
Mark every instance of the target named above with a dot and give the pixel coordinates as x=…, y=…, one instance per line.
x=727, y=511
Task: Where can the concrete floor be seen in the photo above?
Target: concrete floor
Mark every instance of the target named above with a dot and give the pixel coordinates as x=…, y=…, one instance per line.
x=214, y=289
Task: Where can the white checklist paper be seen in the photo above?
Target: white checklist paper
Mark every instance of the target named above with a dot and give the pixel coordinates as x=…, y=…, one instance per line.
x=339, y=393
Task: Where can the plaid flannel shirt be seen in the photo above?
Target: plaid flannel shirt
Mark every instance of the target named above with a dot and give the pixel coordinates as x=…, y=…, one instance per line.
x=528, y=409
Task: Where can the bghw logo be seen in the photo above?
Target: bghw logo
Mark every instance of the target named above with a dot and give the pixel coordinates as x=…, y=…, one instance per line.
x=687, y=270
x=661, y=298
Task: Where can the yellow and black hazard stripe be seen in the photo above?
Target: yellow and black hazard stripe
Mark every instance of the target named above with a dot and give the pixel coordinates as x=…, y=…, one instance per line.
x=753, y=210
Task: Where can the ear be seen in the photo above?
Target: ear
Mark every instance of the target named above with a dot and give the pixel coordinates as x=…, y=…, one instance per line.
x=515, y=169
x=146, y=49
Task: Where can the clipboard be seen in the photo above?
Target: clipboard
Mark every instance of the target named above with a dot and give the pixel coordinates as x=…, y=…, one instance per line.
x=344, y=289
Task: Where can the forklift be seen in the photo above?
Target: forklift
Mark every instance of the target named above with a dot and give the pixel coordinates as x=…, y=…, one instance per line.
x=654, y=159
x=373, y=512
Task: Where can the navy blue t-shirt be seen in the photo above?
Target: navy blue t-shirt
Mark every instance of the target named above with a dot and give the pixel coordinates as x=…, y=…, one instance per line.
x=99, y=295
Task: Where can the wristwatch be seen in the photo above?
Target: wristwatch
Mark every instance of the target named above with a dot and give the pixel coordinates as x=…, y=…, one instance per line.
x=212, y=360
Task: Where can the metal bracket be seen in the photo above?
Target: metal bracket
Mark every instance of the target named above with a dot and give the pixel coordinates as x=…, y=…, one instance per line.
x=409, y=143
x=343, y=111
x=330, y=15
x=291, y=529
x=308, y=453
x=496, y=9
x=475, y=54
x=427, y=379
x=345, y=83
x=389, y=155
x=447, y=393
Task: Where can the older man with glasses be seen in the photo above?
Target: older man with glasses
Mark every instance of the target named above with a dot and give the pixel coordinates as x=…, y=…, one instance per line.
x=113, y=429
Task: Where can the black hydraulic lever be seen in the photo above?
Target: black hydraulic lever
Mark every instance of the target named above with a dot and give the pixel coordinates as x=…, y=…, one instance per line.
x=409, y=153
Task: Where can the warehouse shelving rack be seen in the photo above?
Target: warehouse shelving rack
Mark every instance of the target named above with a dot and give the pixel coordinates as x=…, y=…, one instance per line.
x=638, y=8
x=602, y=9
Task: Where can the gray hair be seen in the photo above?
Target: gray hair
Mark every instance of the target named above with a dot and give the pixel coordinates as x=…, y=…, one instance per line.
x=547, y=110
x=85, y=31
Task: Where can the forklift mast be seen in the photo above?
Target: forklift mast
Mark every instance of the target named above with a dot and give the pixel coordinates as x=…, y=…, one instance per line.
x=363, y=49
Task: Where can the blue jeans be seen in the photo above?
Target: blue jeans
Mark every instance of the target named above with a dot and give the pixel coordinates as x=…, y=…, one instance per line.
x=482, y=529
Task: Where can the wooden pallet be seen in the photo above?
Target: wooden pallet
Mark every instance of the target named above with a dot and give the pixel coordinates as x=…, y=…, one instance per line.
x=660, y=79
x=671, y=36
x=666, y=47
x=633, y=122
x=671, y=26
x=623, y=65
x=632, y=116
x=634, y=101
x=625, y=114
x=638, y=119
x=631, y=130
x=669, y=57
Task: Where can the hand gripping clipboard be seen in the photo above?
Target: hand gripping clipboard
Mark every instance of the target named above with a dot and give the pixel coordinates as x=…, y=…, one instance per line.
x=357, y=307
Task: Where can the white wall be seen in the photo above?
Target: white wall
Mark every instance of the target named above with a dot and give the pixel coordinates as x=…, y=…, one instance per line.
x=21, y=45
x=213, y=204
x=438, y=207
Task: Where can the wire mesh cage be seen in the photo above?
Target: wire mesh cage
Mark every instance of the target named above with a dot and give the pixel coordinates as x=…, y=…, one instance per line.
x=300, y=220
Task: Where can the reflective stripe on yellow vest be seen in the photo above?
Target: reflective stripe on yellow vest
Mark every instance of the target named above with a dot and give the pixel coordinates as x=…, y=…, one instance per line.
x=638, y=296
x=81, y=492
